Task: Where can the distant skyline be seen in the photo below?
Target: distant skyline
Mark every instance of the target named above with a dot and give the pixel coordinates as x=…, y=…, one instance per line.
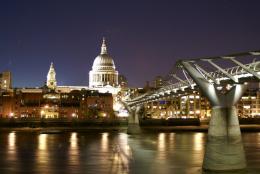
x=144, y=38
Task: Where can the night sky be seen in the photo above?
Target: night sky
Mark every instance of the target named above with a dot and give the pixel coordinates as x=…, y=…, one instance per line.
x=144, y=38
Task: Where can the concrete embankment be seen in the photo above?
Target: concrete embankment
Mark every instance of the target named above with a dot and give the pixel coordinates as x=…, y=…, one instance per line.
x=149, y=125
x=202, y=128
x=146, y=129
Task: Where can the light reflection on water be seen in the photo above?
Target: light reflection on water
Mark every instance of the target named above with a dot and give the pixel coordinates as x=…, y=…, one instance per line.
x=121, y=156
x=73, y=150
x=11, y=142
x=104, y=142
x=73, y=141
x=198, y=140
x=11, y=146
x=42, y=142
x=42, y=152
x=161, y=142
x=161, y=146
x=111, y=152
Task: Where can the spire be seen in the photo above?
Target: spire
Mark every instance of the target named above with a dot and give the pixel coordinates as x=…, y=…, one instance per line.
x=51, y=77
x=104, y=47
x=51, y=67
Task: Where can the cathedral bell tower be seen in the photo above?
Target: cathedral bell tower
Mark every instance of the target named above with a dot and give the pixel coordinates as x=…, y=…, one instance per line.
x=51, y=78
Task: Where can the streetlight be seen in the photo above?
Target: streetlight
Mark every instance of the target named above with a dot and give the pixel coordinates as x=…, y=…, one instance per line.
x=11, y=114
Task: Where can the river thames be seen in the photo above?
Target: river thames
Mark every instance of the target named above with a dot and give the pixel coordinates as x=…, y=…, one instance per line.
x=112, y=152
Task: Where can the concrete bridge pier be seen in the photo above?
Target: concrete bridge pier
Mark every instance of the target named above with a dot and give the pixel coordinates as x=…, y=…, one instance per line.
x=224, y=147
x=133, y=120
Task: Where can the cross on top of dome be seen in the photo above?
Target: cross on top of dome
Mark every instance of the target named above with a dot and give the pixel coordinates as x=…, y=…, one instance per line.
x=51, y=67
x=104, y=47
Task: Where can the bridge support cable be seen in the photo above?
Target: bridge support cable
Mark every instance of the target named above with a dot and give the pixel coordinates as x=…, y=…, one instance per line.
x=244, y=67
x=222, y=70
x=179, y=79
x=188, y=80
x=224, y=148
x=205, y=73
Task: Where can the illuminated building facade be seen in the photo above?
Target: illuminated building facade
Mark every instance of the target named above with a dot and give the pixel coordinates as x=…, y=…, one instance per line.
x=46, y=103
x=5, y=80
x=193, y=105
x=249, y=105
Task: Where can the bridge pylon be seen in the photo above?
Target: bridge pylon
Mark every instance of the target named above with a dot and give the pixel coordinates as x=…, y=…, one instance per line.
x=224, y=147
x=133, y=120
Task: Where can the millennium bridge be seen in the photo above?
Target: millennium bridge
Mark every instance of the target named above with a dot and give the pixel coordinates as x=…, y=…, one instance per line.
x=223, y=87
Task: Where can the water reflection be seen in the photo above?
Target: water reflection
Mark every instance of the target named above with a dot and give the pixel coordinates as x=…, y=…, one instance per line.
x=11, y=146
x=172, y=137
x=42, y=153
x=42, y=141
x=161, y=142
x=111, y=153
x=123, y=141
x=74, y=150
x=161, y=146
x=11, y=142
x=121, y=155
x=198, y=141
x=73, y=141
x=104, y=141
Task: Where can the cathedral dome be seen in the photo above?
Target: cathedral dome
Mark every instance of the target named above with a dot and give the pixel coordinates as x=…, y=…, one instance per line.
x=103, y=61
x=103, y=70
